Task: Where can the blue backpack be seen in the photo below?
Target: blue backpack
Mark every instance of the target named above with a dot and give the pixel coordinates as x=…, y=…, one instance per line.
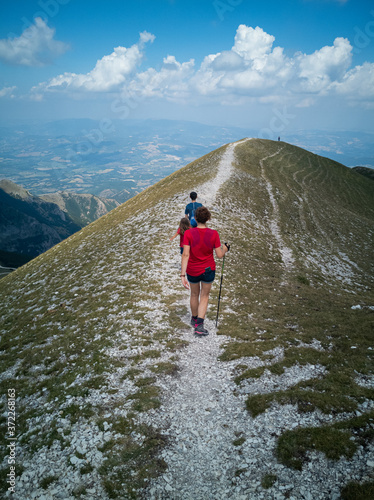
x=193, y=220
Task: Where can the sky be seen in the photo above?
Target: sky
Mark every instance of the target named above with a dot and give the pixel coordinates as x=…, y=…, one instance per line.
x=269, y=66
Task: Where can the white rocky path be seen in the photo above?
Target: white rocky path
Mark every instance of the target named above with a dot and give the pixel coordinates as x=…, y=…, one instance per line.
x=209, y=190
x=215, y=449
x=200, y=414
x=285, y=251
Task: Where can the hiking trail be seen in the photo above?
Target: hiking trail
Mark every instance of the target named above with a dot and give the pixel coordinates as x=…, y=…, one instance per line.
x=285, y=251
x=200, y=414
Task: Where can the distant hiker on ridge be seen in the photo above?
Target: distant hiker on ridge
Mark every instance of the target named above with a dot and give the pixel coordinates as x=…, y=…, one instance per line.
x=198, y=266
x=191, y=207
x=183, y=226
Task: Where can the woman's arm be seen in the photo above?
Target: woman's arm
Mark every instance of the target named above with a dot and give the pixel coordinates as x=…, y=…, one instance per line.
x=172, y=237
x=221, y=251
x=185, y=257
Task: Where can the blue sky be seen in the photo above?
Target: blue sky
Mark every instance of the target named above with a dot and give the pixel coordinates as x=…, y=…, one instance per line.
x=270, y=66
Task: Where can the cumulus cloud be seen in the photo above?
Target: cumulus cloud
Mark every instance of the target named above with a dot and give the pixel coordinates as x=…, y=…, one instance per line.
x=109, y=73
x=252, y=65
x=172, y=81
x=252, y=44
x=358, y=83
x=7, y=92
x=329, y=64
x=254, y=68
x=35, y=47
x=226, y=61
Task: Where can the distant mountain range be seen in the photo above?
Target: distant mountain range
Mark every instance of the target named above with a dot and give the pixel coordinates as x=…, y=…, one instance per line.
x=121, y=158
x=96, y=340
x=30, y=225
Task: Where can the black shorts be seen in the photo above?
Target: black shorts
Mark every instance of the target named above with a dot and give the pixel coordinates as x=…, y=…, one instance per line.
x=207, y=277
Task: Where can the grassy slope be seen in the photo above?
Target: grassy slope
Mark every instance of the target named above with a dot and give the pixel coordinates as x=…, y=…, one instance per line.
x=83, y=321
x=365, y=171
x=325, y=214
x=80, y=321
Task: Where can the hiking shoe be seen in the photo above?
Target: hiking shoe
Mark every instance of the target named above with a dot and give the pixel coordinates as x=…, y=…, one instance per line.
x=193, y=321
x=200, y=331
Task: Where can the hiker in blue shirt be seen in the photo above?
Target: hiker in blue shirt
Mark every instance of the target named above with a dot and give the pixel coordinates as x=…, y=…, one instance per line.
x=191, y=207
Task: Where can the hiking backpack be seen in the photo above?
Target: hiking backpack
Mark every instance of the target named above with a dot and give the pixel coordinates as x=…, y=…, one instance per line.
x=193, y=220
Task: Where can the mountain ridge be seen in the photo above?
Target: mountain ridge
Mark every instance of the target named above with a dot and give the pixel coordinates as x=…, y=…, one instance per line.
x=82, y=208
x=32, y=224
x=100, y=327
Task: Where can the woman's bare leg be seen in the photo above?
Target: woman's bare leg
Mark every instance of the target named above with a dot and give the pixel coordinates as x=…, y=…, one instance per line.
x=204, y=299
x=194, y=298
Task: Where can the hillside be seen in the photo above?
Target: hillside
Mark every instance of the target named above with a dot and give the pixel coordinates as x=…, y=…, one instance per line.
x=367, y=172
x=81, y=208
x=116, y=398
x=30, y=225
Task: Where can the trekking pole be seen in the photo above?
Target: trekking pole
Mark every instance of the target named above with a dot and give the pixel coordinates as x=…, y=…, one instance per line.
x=220, y=287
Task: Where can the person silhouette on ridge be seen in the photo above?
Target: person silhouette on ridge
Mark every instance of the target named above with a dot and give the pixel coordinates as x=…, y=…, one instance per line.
x=191, y=207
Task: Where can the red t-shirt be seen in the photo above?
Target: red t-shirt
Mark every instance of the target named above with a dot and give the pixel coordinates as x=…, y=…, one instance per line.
x=201, y=242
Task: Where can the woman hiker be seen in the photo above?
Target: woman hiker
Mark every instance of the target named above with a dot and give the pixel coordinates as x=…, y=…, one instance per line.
x=198, y=266
x=183, y=226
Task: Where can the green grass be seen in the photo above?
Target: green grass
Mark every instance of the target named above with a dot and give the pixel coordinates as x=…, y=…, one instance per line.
x=86, y=469
x=145, y=399
x=79, y=491
x=165, y=367
x=128, y=465
x=336, y=440
x=46, y=481
x=356, y=491
x=268, y=480
x=271, y=307
x=293, y=445
x=239, y=441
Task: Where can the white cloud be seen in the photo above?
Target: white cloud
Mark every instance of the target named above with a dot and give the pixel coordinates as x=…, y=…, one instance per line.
x=306, y=103
x=252, y=44
x=227, y=61
x=253, y=69
x=35, y=47
x=109, y=73
x=172, y=81
x=318, y=70
x=251, y=66
x=358, y=83
x=7, y=92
